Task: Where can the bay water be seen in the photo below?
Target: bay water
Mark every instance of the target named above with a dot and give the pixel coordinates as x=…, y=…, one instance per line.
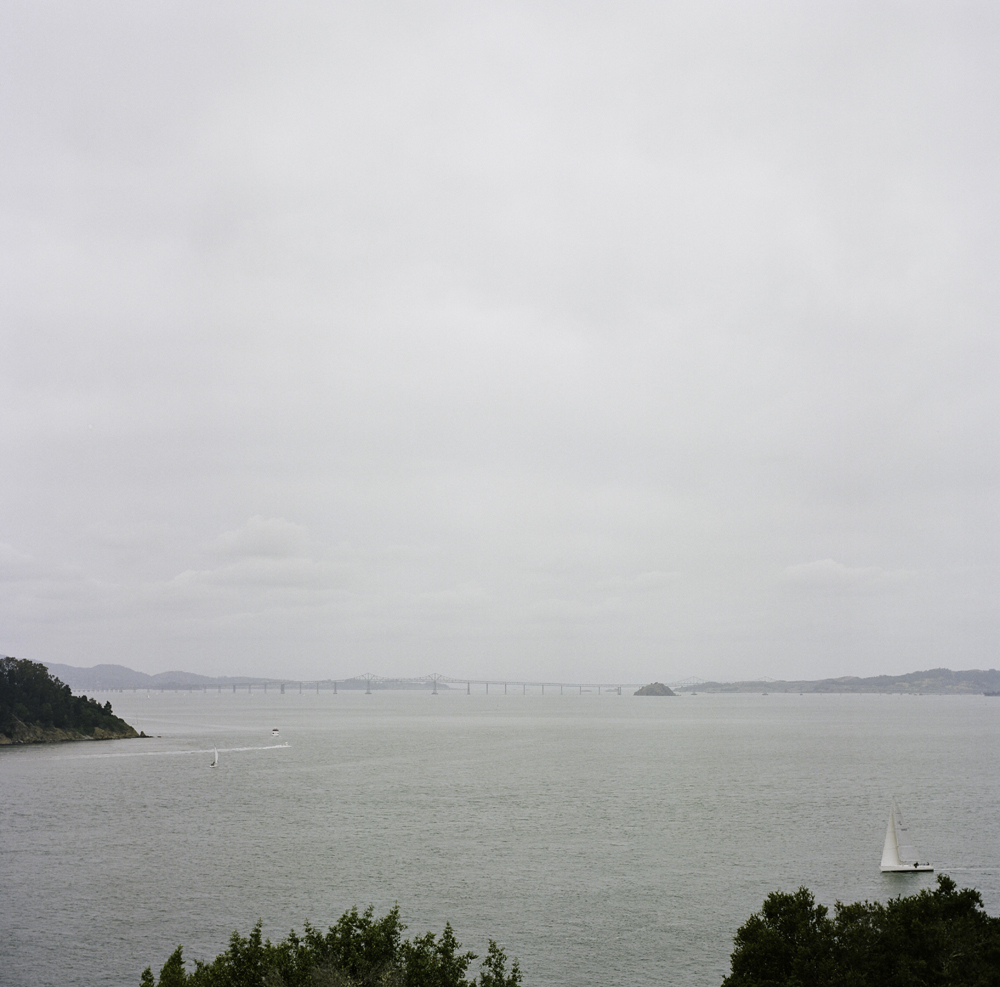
x=601, y=839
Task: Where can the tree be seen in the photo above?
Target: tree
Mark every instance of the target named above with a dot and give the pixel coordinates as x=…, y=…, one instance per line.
x=358, y=951
x=494, y=972
x=937, y=938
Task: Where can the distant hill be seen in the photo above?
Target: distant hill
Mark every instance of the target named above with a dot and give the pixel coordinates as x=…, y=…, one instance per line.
x=36, y=708
x=112, y=678
x=937, y=681
x=103, y=677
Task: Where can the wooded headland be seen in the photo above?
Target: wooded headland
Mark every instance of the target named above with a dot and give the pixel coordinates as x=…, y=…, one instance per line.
x=36, y=708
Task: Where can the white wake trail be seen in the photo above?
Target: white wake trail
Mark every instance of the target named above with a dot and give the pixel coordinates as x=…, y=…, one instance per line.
x=222, y=750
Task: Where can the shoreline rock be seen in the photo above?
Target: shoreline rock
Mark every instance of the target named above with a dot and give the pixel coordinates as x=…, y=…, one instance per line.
x=24, y=733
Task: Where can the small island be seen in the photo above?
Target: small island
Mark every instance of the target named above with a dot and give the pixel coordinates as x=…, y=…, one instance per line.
x=36, y=708
x=655, y=689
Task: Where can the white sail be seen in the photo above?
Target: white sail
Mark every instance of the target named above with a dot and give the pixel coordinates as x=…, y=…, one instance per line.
x=907, y=851
x=898, y=853
x=890, y=851
x=215, y=757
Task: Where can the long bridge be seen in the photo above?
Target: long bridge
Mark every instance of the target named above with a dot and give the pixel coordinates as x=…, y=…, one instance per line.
x=377, y=683
x=368, y=682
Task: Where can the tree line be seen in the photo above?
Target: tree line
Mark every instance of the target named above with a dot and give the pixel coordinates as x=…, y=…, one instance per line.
x=935, y=938
x=359, y=951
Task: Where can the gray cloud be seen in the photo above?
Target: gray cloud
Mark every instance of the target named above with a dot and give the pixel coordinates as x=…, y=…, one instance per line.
x=533, y=341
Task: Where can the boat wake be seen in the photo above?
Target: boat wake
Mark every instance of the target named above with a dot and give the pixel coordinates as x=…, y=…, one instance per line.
x=221, y=750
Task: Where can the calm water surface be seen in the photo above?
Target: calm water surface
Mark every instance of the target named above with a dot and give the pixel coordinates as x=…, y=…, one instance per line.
x=609, y=840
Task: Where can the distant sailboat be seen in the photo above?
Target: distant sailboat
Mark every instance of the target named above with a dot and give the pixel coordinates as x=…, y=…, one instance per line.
x=215, y=757
x=899, y=855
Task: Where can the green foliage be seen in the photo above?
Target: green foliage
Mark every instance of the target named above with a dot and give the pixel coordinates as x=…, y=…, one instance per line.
x=172, y=974
x=358, y=951
x=939, y=938
x=29, y=695
x=494, y=972
x=427, y=961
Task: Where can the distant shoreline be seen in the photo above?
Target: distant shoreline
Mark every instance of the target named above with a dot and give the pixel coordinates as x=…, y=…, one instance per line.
x=937, y=681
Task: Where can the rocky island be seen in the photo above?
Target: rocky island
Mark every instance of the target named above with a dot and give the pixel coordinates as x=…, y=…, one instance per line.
x=36, y=708
x=655, y=689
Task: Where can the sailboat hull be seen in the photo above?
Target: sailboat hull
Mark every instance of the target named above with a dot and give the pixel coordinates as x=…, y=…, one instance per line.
x=905, y=869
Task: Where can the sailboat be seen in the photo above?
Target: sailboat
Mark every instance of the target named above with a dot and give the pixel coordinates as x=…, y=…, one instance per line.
x=899, y=855
x=215, y=757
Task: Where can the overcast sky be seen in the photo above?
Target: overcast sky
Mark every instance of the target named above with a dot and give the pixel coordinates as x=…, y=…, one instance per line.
x=600, y=341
